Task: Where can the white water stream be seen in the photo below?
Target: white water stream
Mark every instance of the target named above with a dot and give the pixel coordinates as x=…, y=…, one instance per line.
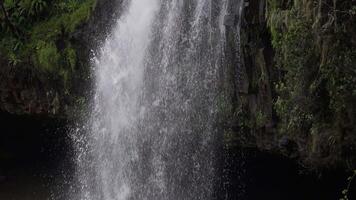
x=152, y=127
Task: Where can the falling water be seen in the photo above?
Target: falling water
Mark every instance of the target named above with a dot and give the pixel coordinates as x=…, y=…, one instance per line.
x=152, y=128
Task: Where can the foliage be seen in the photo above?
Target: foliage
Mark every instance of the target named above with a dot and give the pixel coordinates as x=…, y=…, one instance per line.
x=261, y=119
x=317, y=82
x=47, y=56
x=38, y=33
x=71, y=57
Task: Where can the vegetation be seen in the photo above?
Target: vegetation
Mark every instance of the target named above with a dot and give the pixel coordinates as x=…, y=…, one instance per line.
x=314, y=42
x=38, y=32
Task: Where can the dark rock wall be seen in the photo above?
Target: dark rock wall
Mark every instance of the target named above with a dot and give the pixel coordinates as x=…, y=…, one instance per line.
x=26, y=91
x=291, y=91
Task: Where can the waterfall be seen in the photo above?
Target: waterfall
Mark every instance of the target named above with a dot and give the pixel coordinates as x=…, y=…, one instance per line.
x=152, y=130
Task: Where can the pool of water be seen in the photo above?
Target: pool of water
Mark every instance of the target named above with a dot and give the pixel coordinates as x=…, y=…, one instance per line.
x=36, y=164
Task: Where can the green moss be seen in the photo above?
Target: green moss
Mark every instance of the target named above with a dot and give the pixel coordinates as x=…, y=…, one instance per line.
x=71, y=57
x=65, y=75
x=47, y=56
x=261, y=119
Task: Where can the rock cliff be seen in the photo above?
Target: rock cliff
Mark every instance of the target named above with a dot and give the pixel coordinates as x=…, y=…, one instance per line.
x=293, y=89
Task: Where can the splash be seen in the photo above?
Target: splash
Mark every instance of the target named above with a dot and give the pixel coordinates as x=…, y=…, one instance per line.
x=152, y=127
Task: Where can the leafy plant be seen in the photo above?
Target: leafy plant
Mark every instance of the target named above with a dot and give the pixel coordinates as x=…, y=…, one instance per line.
x=48, y=56
x=14, y=60
x=29, y=29
x=37, y=6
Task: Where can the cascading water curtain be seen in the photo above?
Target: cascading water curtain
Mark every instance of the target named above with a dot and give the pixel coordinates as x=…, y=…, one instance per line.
x=152, y=127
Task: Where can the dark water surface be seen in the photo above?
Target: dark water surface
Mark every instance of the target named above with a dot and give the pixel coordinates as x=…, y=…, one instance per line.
x=36, y=164
x=35, y=158
x=255, y=175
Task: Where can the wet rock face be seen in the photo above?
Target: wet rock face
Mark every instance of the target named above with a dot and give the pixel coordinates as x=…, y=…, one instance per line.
x=23, y=91
x=250, y=79
x=304, y=120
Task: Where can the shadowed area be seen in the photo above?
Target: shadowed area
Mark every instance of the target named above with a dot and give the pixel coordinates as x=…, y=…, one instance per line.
x=253, y=175
x=35, y=164
x=35, y=155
